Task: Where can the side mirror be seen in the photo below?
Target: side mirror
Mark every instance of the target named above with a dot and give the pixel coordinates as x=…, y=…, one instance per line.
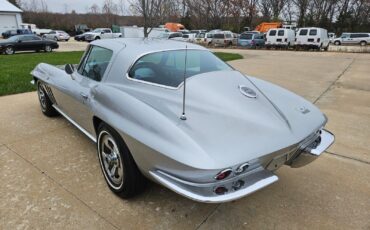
x=69, y=68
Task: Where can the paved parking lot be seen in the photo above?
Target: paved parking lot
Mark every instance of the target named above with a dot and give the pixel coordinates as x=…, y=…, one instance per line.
x=50, y=176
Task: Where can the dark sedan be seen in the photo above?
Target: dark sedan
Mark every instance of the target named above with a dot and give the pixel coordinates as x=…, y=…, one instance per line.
x=80, y=37
x=26, y=43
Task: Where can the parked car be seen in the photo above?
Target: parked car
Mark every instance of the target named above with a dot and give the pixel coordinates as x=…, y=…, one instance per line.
x=312, y=38
x=10, y=33
x=80, y=37
x=101, y=33
x=57, y=35
x=171, y=35
x=251, y=40
x=222, y=142
x=26, y=43
x=224, y=38
x=353, y=39
x=281, y=38
x=208, y=38
x=34, y=29
x=188, y=37
x=332, y=36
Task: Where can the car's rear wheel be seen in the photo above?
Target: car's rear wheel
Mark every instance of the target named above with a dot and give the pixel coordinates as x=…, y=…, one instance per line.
x=45, y=102
x=48, y=48
x=9, y=50
x=55, y=39
x=363, y=43
x=118, y=166
x=337, y=43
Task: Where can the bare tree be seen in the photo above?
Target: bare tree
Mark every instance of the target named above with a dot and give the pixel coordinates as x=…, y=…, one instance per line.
x=302, y=6
x=94, y=9
x=154, y=12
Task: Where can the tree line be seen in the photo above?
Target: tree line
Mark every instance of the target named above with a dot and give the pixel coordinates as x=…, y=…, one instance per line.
x=335, y=15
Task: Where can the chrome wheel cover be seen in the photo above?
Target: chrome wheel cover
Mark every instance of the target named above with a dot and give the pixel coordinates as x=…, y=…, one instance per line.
x=42, y=96
x=48, y=48
x=9, y=50
x=110, y=160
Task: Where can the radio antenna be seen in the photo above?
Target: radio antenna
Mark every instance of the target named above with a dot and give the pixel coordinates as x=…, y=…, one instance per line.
x=183, y=117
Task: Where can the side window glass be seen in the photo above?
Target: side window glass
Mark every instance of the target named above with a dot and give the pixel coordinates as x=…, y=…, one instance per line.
x=303, y=32
x=95, y=63
x=272, y=33
x=313, y=32
x=281, y=33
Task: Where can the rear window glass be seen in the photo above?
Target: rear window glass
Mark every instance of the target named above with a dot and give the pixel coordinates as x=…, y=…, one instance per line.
x=281, y=33
x=303, y=32
x=313, y=32
x=167, y=68
x=219, y=36
x=246, y=36
x=272, y=32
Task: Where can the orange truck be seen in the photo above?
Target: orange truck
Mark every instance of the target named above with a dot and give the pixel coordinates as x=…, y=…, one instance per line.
x=265, y=26
x=174, y=27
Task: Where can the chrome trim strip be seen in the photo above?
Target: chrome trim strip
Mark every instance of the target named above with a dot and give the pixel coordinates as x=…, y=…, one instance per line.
x=75, y=124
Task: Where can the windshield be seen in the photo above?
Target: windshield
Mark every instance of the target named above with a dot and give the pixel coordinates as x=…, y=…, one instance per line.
x=167, y=68
x=97, y=31
x=246, y=36
x=13, y=39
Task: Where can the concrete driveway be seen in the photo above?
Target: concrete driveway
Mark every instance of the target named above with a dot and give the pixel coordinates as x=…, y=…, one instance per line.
x=50, y=176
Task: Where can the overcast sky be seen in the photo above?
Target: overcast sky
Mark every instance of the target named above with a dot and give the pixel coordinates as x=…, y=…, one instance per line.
x=79, y=6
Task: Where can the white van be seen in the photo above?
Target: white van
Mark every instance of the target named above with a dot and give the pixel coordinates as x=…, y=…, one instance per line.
x=280, y=38
x=312, y=37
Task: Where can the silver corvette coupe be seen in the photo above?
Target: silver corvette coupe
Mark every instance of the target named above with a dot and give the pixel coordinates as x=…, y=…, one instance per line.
x=178, y=115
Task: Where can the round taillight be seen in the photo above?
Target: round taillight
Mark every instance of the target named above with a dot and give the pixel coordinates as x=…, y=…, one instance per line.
x=242, y=168
x=220, y=190
x=223, y=174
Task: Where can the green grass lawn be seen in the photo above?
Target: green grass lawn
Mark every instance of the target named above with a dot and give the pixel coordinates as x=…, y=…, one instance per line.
x=228, y=56
x=15, y=69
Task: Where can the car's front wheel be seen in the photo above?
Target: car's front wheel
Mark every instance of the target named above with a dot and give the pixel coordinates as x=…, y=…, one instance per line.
x=337, y=43
x=9, y=50
x=45, y=102
x=48, y=48
x=118, y=166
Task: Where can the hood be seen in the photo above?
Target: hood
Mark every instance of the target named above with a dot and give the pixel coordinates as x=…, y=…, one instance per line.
x=230, y=127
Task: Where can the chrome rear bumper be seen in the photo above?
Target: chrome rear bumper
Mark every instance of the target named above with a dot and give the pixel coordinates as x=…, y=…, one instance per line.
x=255, y=180
x=312, y=151
x=251, y=181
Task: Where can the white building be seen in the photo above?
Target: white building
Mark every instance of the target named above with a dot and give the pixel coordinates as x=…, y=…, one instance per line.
x=10, y=16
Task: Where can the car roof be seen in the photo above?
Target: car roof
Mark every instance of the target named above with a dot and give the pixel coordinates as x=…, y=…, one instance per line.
x=138, y=46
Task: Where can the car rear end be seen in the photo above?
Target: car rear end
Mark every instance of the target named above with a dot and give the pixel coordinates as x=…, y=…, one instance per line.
x=208, y=39
x=310, y=38
x=219, y=39
x=63, y=35
x=246, y=40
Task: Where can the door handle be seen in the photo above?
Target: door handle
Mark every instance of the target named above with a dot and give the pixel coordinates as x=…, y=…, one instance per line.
x=84, y=96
